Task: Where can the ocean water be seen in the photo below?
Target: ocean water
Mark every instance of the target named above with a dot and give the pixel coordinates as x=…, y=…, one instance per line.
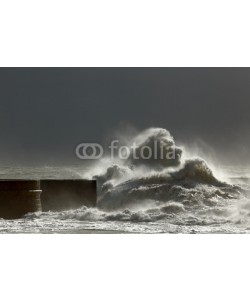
x=184, y=195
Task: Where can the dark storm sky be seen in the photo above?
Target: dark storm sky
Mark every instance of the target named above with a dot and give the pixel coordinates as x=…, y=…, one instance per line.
x=45, y=112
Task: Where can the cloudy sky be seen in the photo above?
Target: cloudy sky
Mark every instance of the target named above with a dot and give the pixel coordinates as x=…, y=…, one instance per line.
x=46, y=112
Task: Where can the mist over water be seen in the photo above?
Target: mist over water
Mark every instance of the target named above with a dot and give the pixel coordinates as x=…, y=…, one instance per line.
x=183, y=193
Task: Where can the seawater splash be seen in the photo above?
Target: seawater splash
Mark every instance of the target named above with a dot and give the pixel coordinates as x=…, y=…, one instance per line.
x=182, y=195
x=133, y=183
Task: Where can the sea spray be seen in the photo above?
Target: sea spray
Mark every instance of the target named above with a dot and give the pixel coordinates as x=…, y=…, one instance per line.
x=133, y=182
x=184, y=196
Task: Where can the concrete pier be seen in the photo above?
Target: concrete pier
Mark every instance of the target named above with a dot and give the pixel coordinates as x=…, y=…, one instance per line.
x=65, y=194
x=19, y=197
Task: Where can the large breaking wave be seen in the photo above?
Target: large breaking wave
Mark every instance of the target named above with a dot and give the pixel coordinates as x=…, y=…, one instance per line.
x=179, y=191
x=134, y=183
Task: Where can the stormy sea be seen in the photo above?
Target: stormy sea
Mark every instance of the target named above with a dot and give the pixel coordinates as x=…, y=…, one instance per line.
x=185, y=193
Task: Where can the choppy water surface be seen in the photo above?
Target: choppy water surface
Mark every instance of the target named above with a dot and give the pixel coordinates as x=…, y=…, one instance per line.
x=146, y=197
